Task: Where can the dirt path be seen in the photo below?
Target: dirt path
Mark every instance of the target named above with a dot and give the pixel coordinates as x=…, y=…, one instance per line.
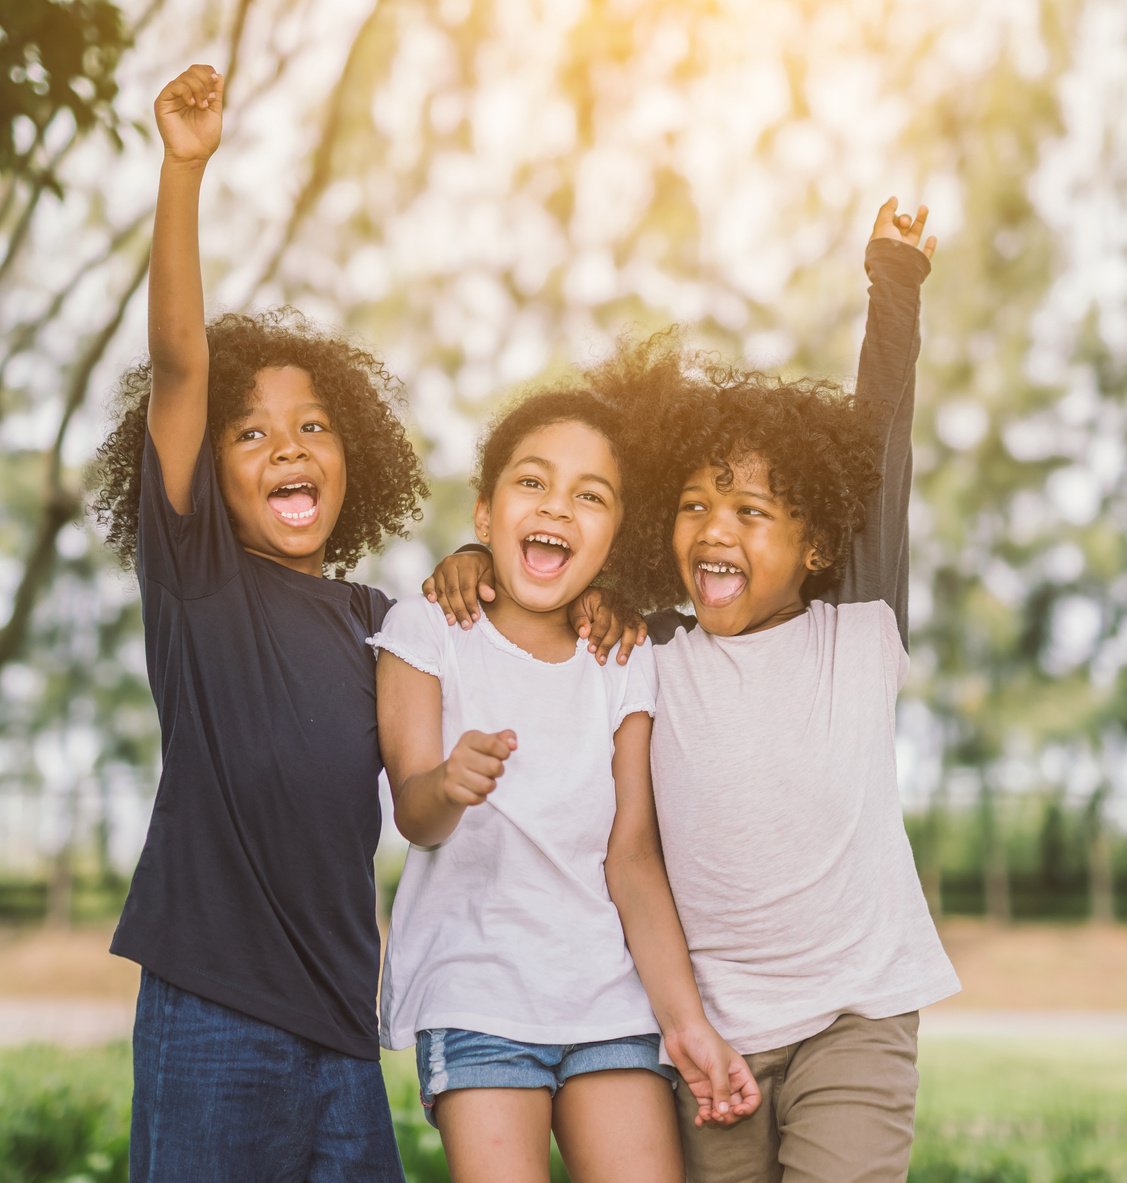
x=1038, y=981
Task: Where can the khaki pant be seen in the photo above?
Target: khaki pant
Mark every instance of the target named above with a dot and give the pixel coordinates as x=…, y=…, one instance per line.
x=838, y=1107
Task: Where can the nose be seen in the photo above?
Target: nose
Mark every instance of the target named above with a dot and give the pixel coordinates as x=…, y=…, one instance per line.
x=289, y=446
x=555, y=504
x=716, y=528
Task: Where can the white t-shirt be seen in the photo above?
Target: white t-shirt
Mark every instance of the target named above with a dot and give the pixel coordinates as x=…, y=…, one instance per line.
x=507, y=927
x=775, y=778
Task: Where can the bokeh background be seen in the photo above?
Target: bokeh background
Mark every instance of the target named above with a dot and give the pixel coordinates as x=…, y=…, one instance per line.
x=486, y=191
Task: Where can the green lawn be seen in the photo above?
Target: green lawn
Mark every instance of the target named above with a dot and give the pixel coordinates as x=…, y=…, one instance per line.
x=1016, y=1111
x=991, y=1111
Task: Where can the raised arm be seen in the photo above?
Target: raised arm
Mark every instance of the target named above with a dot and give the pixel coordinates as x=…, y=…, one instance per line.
x=189, y=118
x=718, y=1077
x=430, y=793
x=897, y=264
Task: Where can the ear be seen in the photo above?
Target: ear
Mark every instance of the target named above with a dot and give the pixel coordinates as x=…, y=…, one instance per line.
x=815, y=561
x=481, y=519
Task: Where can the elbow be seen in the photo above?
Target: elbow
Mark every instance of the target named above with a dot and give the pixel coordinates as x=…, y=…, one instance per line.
x=631, y=868
x=406, y=823
x=416, y=827
x=178, y=357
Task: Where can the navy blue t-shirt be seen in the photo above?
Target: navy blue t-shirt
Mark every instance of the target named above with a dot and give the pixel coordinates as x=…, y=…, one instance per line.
x=255, y=888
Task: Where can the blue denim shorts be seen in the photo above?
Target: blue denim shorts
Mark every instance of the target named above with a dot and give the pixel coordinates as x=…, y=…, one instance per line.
x=450, y=1058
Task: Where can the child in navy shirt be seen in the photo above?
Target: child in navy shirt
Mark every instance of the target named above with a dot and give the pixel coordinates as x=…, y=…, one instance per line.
x=249, y=455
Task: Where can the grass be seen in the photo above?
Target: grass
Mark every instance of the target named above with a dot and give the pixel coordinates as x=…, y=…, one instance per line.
x=990, y=1111
x=1015, y=1111
x=64, y=1115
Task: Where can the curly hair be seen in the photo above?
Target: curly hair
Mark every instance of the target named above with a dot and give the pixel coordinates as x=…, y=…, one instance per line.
x=537, y=410
x=605, y=396
x=821, y=448
x=384, y=480
x=562, y=404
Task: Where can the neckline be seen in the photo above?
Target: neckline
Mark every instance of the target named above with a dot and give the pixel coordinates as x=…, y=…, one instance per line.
x=322, y=585
x=498, y=639
x=758, y=636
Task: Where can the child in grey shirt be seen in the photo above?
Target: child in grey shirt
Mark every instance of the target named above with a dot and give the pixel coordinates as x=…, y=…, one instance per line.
x=780, y=512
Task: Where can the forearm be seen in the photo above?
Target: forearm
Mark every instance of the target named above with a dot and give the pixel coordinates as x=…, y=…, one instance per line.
x=424, y=815
x=640, y=890
x=886, y=372
x=877, y=568
x=177, y=339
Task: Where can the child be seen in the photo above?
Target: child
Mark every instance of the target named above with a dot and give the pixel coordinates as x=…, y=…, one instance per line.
x=252, y=453
x=783, y=518
x=519, y=770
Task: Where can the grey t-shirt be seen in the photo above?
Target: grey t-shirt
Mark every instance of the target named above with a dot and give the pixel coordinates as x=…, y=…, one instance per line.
x=774, y=765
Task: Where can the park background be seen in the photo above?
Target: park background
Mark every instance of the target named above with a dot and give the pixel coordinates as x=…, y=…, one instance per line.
x=487, y=191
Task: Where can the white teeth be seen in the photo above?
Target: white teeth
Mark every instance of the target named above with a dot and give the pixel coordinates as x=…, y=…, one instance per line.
x=298, y=517
x=548, y=540
x=720, y=568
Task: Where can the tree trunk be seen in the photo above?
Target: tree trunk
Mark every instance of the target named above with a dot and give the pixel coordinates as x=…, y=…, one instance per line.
x=60, y=891
x=995, y=869
x=1101, y=866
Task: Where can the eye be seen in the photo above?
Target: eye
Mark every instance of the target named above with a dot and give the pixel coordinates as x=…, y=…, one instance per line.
x=313, y=425
x=592, y=497
x=691, y=507
x=251, y=433
x=530, y=482
x=751, y=511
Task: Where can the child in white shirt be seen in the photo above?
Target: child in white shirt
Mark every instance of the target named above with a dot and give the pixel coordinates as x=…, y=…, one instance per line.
x=534, y=905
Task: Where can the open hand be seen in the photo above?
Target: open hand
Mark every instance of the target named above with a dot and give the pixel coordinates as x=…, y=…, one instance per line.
x=459, y=581
x=599, y=617
x=903, y=227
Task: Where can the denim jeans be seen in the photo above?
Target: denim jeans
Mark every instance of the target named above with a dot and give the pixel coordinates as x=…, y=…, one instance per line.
x=220, y=1096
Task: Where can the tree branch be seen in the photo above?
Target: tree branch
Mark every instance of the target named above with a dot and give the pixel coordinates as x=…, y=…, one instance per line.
x=24, y=335
x=61, y=503
x=39, y=184
x=320, y=172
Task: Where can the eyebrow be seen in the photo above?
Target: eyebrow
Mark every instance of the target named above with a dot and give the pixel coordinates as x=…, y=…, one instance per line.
x=583, y=476
x=255, y=408
x=754, y=493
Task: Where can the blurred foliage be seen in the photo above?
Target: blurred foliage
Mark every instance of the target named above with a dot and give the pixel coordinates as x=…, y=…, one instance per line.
x=56, y=57
x=490, y=190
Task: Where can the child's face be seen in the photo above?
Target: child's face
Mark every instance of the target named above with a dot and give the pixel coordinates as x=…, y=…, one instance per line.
x=552, y=516
x=282, y=473
x=740, y=553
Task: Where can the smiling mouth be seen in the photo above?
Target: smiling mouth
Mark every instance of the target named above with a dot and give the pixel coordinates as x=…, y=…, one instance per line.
x=545, y=554
x=295, y=503
x=718, y=584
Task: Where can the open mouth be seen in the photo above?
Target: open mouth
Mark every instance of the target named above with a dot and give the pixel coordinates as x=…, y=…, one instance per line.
x=718, y=583
x=295, y=503
x=545, y=554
